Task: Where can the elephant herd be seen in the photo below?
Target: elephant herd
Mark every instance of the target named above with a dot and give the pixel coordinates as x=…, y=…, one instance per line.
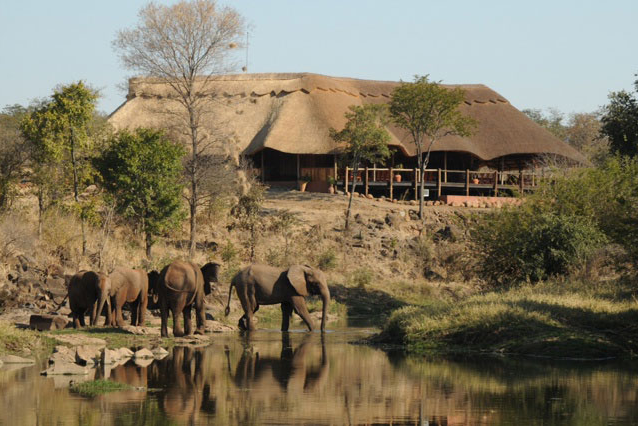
x=182, y=286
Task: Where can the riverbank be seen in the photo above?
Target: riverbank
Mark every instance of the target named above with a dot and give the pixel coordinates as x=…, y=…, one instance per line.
x=557, y=320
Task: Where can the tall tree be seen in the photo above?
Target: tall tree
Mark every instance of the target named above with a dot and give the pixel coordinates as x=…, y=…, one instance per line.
x=428, y=111
x=185, y=45
x=142, y=170
x=13, y=151
x=59, y=132
x=620, y=122
x=366, y=139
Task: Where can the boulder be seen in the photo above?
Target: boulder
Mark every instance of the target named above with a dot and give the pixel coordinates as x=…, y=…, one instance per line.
x=159, y=352
x=13, y=359
x=87, y=355
x=125, y=353
x=370, y=197
x=109, y=356
x=394, y=219
x=143, y=354
x=44, y=322
x=66, y=369
x=62, y=355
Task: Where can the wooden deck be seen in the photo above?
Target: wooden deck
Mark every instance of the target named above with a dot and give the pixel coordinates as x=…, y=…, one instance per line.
x=438, y=180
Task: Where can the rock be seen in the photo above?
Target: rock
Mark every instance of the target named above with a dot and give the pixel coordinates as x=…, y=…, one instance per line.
x=394, y=219
x=66, y=369
x=370, y=197
x=125, y=353
x=395, y=201
x=341, y=193
x=87, y=354
x=62, y=355
x=44, y=322
x=109, y=356
x=13, y=359
x=159, y=352
x=412, y=203
x=143, y=354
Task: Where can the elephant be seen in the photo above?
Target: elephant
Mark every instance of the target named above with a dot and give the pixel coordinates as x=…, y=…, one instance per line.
x=132, y=286
x=265, y=285
x=89, y=290
x=180, y=286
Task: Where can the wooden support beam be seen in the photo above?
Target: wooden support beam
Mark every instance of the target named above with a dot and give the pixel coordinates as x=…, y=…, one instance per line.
x=345, y=184
x=496, y=183
x=467, y=182
x=445, y=166
x=520, y=181
x=438, y=184
x=366, y=181
x=335, y=165
x=391, y=180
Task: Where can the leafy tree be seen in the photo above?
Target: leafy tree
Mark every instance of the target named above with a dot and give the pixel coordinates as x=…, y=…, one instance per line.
x=283, y=222
x=620, y=122
x=553, y=121
x=186, y=45
x=366, y=139
x=247, y=218
x=13, y=151
x=59, y=133
x=142, y=170
x=428, y=111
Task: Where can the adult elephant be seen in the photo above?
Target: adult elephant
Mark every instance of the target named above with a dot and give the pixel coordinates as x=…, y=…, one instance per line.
x=89, y=290
x=181, y=286
x=264, y=285
x=132, y=286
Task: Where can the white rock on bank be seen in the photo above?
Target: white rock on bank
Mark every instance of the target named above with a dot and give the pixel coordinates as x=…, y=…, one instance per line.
x=143, y=354
x=12, y=359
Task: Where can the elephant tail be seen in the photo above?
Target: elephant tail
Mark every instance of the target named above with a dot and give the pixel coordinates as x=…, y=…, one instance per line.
x=230, y=294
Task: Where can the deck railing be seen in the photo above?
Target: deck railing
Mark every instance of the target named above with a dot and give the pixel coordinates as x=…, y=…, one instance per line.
x=438, y=179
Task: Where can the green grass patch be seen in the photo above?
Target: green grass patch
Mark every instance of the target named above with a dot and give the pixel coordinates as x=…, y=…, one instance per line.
x=98, y=387
x=531, y=320
x=17, y=341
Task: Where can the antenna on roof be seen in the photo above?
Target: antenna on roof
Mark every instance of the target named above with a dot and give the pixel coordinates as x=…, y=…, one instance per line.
x=245, y=67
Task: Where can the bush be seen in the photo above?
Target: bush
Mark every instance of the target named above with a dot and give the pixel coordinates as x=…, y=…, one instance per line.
x=361, y=277
x=327, y=260
x=523, y=244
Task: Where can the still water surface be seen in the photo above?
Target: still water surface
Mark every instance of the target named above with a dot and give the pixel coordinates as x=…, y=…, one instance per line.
x=302, y=378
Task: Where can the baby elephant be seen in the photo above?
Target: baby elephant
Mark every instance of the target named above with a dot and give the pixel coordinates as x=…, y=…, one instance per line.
x=89, y=290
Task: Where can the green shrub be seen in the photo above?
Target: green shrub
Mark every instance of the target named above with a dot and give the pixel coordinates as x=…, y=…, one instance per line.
x=361, y=277
x=327, y=260
x=524, y=244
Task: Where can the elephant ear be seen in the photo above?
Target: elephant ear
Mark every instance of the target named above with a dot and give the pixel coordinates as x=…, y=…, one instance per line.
x=297, y=277
x=209, y=271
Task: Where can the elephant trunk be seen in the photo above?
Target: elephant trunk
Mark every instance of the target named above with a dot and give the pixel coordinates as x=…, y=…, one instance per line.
x=104, y=296
x=325, y=297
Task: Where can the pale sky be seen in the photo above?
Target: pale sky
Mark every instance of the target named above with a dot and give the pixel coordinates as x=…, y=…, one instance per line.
x=538, y=54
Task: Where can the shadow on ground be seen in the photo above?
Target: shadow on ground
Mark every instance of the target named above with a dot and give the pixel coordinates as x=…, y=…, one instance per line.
x=374, y=305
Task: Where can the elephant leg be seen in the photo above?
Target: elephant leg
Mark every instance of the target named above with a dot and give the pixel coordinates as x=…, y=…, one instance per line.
x=248, y=310
x=120, y=300
x=94, y=314
x=134, y=309
x=188, y=321
x=164, y=316
x=299, y=305
x=286, y=311
x=200, y=318
x=76, y=320
x=177, y=307
x=141, y=316
x=81, y=318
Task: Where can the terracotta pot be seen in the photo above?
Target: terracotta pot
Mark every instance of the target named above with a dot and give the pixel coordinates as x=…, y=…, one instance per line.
x=397, y=178
x=331, y=189
x=302, y=186
x=475, y=181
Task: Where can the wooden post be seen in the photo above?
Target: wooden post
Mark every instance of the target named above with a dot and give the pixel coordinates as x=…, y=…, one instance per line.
x=345, y=184
x=496, y=183
x=391, y=180
x=374, y=172
x=298, y=168
x=416, y=184
x=445, y=166
x=438, y=183
x=366, y=181
x=467, y=182
x=335, y=164
x=263, y=172
x=520, y=181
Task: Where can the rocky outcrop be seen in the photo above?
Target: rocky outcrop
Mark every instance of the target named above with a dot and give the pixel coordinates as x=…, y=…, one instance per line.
x=46, y=322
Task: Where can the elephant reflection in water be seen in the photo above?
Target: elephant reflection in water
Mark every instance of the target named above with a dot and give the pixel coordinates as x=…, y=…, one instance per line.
x=289, y=371
x=188, y=391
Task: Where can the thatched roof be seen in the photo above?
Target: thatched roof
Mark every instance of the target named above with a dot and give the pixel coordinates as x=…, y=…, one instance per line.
x=293, y=113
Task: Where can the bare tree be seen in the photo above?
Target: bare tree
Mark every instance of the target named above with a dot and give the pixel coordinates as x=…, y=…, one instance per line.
x=186, y=45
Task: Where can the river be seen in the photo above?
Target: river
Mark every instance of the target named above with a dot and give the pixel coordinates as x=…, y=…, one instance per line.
x=306, y=378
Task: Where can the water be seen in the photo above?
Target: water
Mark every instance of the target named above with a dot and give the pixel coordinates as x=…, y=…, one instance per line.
x=302, y=378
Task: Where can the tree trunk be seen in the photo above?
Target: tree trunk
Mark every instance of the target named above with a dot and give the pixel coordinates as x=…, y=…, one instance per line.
x=355, y=171
x=149, y=244
x=194, y=170
x=40, y=211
